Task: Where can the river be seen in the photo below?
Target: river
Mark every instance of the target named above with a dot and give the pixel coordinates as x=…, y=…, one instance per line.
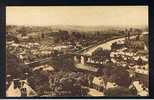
x=106, y=45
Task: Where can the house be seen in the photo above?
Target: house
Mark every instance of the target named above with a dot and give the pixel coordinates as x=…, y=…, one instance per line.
x=111, y=85
x=34, y=35
x=145, y=33
x=60, y=47
x=93, y=92
x=44, y=67
x=86, y=67
x=141, y=90
x=20, y=88
x=98, y=83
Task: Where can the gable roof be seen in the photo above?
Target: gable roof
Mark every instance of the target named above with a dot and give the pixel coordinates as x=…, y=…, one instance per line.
x=16, y=92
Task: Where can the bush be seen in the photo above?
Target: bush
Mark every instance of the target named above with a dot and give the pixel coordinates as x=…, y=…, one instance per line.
x=118, y=91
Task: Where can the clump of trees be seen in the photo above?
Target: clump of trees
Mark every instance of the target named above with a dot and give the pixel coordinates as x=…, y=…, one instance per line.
x=121, y=76
x=116, y=46
x=101, y=54
x=118, y=91
x=61, y=83
x=117, y=74
x=63, y=62
x=67, y=84
x=14, y=67
x=111, y=71
x=39, y=82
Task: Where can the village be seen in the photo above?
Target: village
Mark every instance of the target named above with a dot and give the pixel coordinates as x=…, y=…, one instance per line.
x=76, y=65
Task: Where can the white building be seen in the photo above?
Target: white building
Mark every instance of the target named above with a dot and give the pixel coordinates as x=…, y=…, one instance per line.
x=18, y=88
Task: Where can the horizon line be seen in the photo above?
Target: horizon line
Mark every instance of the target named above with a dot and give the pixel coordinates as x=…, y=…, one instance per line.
x=118, y=25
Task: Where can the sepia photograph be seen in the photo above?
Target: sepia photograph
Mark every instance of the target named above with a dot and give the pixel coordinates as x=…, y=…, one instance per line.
x=77, y=51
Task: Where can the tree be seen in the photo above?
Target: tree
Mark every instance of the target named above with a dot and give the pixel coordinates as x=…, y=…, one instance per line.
x=23, y=30
x=118, y=91
x=67, y=84
x=14, y=68
x=101, y=54
x=64, y=35
x=120, y=76
x=39, y=82
x=63, y=63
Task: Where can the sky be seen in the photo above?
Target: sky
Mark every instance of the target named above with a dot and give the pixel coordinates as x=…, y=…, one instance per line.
x=76, y=15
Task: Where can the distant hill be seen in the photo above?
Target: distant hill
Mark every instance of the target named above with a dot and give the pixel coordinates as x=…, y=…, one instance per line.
x=94, y=28
x=72, y=28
